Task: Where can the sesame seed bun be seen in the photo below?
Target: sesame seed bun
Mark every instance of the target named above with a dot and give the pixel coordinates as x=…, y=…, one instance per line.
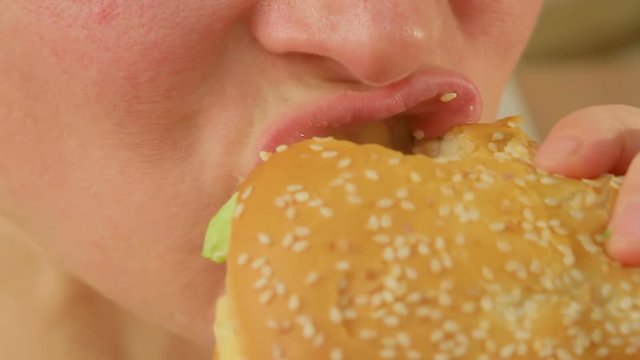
x=345, y=251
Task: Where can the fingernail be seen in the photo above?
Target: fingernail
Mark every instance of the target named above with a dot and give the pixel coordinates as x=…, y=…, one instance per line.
x=561, y=147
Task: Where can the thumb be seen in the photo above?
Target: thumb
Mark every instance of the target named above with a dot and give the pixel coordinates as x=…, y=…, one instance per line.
x=591, y=142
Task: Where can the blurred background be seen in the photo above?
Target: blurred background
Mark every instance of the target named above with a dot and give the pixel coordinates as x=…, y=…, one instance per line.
x=584, y=52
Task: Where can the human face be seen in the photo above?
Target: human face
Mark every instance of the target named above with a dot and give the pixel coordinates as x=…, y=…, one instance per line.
x=126, y=124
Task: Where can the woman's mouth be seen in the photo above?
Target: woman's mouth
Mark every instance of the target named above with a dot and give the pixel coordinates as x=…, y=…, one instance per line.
x=425, y=105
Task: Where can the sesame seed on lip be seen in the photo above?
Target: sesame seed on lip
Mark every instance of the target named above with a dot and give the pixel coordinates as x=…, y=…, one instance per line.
x=435, y=100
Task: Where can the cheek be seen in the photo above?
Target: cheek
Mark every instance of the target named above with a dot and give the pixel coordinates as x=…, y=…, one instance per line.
x=134, y=52
x=497, y=33
x=124, y=183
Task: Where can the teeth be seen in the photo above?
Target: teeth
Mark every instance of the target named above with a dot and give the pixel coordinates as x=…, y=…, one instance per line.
x=418, y=134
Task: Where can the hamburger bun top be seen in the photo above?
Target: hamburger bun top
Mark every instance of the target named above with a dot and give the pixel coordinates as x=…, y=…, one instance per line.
x=345, y=251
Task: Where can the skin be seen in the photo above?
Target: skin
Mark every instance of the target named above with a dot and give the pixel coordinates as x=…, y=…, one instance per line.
x=126, y=124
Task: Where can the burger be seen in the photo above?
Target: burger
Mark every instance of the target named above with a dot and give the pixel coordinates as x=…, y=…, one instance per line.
x=461, y=249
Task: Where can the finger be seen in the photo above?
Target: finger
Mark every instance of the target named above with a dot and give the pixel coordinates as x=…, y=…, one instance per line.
x=592, y=141
x=624, y=244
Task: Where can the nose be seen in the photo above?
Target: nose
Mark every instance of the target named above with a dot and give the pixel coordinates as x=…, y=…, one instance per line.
x=376, y=41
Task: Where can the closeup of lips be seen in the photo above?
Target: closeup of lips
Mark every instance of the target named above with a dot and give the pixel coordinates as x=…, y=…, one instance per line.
x=426, y=104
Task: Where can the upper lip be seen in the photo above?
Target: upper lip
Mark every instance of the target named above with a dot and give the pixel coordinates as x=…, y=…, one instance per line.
x=417, y=97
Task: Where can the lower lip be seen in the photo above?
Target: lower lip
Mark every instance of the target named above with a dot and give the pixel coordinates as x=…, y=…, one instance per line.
x=423, y=96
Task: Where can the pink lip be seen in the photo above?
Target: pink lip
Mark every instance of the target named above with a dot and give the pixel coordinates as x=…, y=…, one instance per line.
x=417, y=97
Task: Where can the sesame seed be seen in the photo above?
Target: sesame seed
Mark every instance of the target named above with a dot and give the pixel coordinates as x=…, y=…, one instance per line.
x=576, y=214
x=243, y=259
x=507, y=351
x=288, y=240
x=312, y=277
x=385, y=221
x=381, y=239
x=246, y=193
x=435, y=266
x=335, y=315
x=391, y=320
x=308, y=330
x=487, y=273
x=350, y=314
x=290, y=213
x=402, y=193
x=469, y=307
x=447, y=262
x=318, y=340
x=384, y=203
x=300, y=246
x=418, y=134
x=423, y=249
x=264, y=239
x=353, y=199
x=411, y=273
x=260, y=283
x=264, y=155
x=468, y=196
x=265, y=297
x=546, y=180
x=316, y=147
x=326, y=212
x=371, y=174
x=329, y=154
x=447, y=97
x=239, y=210
x=415, y=177
x=444, y=299
x=407, y=205
x=387, y=353
x=444, y=210
x=281, y=148
x=343, y=163
x=373, y=223
x=568, y=257
x=301, y=231
x=437, y=335
x=367, y=334
x=343, y=265
x=403, y=252
x=336, y=354
x=446, y=190
x=280, y=288
x=394, y=161
x=294, y=303
x=486, y=178
x=551, y=201
x=294, y=187
x=388, y=254
x=497, y=136
x=258, y=263
x=486, y=303
x=301, y=196
x=504, y=246
x=497, y=226
x=400, y=309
